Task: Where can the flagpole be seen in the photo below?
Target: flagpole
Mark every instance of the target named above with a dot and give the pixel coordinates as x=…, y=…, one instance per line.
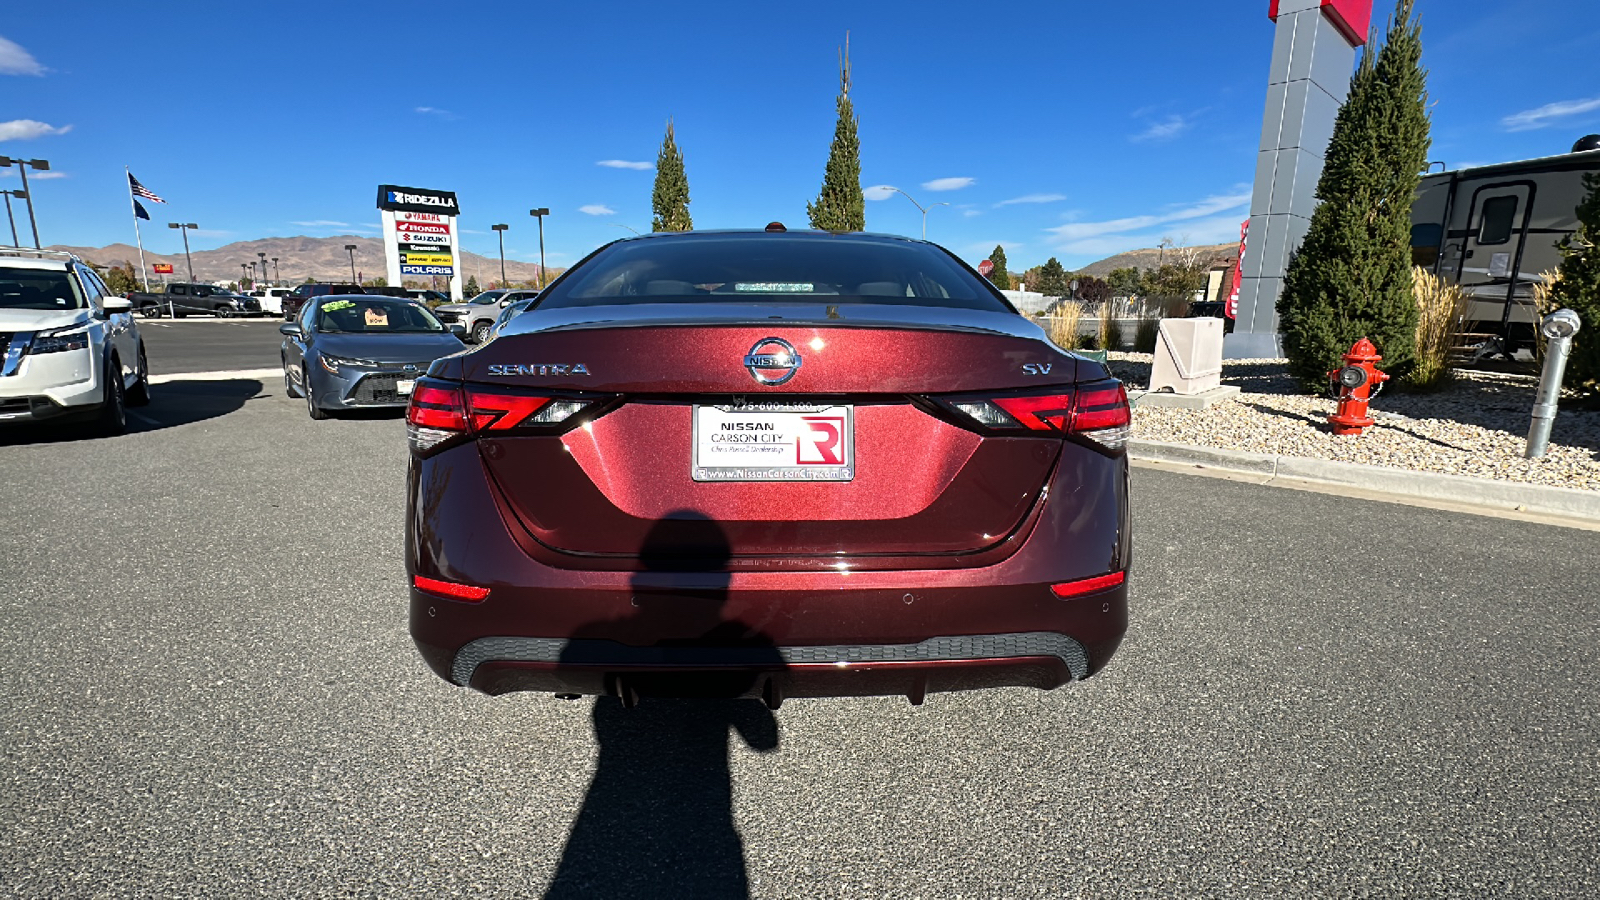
x=133, y=207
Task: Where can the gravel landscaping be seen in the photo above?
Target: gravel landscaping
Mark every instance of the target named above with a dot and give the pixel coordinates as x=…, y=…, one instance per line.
x=1477, y=425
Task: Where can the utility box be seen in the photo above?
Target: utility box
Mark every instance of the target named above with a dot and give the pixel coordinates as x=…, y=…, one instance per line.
x=1188, y=356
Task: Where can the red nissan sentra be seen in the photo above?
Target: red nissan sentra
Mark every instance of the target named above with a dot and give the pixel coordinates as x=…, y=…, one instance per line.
x=767, y=464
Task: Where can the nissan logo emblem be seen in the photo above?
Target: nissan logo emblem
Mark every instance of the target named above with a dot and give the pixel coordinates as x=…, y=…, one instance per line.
x=772, y=361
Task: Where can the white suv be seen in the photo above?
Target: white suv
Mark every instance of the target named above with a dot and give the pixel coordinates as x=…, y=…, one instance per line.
x=69, y=348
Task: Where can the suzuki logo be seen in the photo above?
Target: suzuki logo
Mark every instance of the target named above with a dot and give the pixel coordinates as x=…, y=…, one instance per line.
x=772, y=361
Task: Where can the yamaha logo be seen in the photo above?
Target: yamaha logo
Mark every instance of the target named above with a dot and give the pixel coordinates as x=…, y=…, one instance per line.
x=772, y=361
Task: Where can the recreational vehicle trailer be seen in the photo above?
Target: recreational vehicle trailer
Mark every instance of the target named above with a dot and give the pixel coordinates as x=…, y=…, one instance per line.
x=1495, y=230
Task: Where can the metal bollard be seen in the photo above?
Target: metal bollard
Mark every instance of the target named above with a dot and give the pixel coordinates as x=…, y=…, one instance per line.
x=1558, y=328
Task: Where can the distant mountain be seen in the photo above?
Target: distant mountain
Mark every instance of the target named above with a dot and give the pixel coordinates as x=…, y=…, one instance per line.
x=324, y=259
x=1151, y=258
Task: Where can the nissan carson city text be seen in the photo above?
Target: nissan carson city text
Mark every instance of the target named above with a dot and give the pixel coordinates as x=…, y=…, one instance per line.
x=790, y=464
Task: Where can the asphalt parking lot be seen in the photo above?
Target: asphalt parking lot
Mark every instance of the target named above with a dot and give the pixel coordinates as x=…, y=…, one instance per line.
x=209, y=691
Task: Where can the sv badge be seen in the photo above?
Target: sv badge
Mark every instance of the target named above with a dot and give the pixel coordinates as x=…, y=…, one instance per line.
x=1036, y=368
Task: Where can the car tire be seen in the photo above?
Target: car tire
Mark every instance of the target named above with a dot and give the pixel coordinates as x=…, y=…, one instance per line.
x=224, y=312
x=139, y=394
x=316, y=412
x=112, y=419
x=152, y=311
x=480, y=332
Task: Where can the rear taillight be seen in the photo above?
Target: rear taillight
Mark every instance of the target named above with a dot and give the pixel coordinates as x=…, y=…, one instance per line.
x=1097, y=411
x=437, y=414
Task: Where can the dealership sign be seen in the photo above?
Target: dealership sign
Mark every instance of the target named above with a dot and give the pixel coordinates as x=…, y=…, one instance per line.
x=419, y=232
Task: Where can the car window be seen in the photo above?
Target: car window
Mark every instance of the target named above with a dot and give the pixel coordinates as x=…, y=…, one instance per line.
x=93, y=283
x=39, y=289
x=371, y=315
x=769, y=268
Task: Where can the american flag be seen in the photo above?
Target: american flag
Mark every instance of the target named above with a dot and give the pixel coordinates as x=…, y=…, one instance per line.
x=140, y=190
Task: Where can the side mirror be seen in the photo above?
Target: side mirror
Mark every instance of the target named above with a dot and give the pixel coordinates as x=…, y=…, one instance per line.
x=292, y=329
x=459, y=330
x=115, y=304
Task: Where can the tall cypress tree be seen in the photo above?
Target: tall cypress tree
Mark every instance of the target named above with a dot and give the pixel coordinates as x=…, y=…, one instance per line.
x=670, y=198
x=840, y=206
x=1579, y=290
x=1352, y=275
x=1000, y=277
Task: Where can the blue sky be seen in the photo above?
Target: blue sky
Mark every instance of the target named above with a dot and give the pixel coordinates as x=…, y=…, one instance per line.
x=1062, y=129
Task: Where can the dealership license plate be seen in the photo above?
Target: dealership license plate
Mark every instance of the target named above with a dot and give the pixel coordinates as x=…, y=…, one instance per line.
x=405, y=386
x=774, y=442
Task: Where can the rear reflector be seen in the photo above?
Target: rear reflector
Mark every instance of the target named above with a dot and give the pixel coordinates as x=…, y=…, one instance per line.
x=1088, y=585
x=450, y=589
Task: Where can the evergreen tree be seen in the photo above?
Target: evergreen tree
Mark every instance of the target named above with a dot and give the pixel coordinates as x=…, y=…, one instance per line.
x=1052, y=279
x=471, y=289
x=670, y=199
x=1579, y=290
x=1000, y=277
x=1352, y=275
x=841, y=206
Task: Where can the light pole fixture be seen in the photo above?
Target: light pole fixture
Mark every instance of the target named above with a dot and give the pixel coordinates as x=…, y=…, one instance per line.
x=539, y=214
x=920, y=208
x=263, y=257
x=185, y=227
x=20, y=195
x=351, y=249
x=274, y=271
x=501, y=231
x=41, y=165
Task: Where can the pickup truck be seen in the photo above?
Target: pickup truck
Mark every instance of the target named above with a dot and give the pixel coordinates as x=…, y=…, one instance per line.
x=183, y=299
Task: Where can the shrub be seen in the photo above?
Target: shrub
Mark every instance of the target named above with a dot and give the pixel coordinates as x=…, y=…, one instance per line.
x=1578, y=289
x=1144, y=337
x=1544, y=303
x=1440, y=307
x=1063, y=326
x=1110, y=331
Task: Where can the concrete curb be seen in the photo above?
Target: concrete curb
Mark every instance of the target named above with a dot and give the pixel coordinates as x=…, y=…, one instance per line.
x=1506, y=495
x=217, y=376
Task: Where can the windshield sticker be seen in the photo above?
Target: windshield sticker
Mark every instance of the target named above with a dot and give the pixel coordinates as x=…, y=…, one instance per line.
x=337, y=305
x=773, y=287
x=377, y=317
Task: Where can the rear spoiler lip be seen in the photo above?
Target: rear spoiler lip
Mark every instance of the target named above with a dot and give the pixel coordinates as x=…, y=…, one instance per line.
x=832, y=315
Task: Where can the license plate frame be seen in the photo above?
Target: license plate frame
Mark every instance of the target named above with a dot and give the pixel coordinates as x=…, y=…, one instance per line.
x=404, y=386
x=805, y=442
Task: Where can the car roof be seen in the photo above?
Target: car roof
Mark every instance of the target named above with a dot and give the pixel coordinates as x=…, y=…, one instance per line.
x=754, y=233
x=34, y=262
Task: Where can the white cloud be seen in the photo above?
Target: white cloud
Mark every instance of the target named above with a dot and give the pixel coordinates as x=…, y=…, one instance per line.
x=878, y=192
x=969, y=213
x=435, y=111
x=947, y=184
x=1201, y=223
x=28, y=129
x=1164, y=130
x=625, y=164
x=16, y=61
x=36, y=176
x=1033, y=198
x=597, y=209
x=1544, y=116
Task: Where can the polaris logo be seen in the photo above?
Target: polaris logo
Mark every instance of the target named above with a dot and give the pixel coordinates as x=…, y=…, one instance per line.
x=422, y=199
x=511, y=369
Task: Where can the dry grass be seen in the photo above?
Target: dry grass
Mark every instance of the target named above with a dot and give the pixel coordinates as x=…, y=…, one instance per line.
x=1440, y=308
x=1110, y=331
x=1063, y=327
x=1543, y=305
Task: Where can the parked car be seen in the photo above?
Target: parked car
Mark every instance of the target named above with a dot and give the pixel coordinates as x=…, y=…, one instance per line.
x=516, y=308
x=767, y=465
x=485, y=306
x=69, y=348
x=429, y=296
x=295, y=299
x=349, y=351
x=181, y=299
x=271, y=299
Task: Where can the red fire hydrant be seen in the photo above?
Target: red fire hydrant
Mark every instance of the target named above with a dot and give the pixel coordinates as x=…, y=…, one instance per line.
x=1358, y=381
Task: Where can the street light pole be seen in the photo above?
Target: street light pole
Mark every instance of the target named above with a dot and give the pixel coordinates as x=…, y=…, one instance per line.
x=274, y=271
x=184, y=227
x=351, y=249
x=243, y=267
x=539, y=214
x=20, y=195
x=501, y=231
x=263, y=267
x=919, y=206
x=42, y=165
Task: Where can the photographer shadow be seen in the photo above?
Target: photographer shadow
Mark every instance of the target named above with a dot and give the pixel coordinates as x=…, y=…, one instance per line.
x=658, y=817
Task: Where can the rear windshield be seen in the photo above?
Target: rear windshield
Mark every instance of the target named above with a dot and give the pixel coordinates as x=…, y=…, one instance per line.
x=38, y=289
x=369, y=315
x=772, y=268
